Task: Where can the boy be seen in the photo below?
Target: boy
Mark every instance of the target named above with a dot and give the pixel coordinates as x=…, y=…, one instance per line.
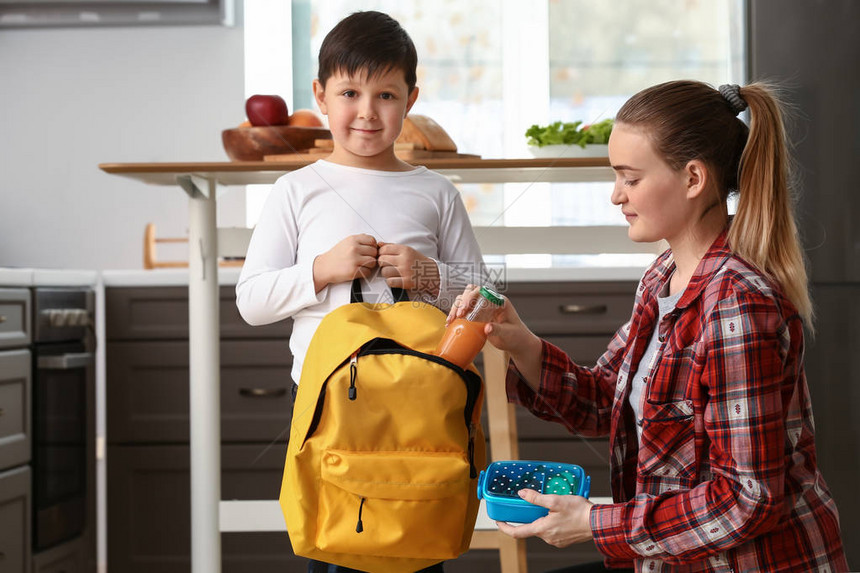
x=361, y=211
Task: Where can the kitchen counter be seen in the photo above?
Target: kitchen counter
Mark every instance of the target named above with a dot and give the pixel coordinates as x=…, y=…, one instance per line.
x=20, y=277
x=162, y=277
x=230, y=275
x=16, y=277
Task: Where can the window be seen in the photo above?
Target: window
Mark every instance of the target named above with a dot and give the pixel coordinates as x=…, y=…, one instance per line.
x=488, y=69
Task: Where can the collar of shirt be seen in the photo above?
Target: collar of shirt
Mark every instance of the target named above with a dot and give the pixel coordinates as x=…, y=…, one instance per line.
x=661, y=271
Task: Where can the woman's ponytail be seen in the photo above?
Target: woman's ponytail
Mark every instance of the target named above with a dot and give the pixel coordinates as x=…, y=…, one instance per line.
x=763, y=231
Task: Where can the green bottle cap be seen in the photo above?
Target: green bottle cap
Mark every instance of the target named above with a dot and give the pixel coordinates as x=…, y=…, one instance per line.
x=492, y=296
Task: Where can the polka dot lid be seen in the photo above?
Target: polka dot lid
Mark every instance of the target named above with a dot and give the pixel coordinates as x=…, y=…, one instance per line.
x=506, y=478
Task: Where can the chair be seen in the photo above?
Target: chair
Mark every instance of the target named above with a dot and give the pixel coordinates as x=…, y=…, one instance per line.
x=503, y=446
x=150, y=258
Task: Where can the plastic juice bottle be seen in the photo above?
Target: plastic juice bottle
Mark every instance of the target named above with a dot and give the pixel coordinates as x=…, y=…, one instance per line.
x=465, y=337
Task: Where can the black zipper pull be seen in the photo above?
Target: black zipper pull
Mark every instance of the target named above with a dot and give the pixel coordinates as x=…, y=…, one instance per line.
x=359, y=527
x=353, y=372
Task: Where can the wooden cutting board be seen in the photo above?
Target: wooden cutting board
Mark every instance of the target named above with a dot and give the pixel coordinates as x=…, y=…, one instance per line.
x=420, y=138
x=404, y=154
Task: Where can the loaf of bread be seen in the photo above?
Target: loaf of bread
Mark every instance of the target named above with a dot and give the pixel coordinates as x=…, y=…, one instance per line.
x=425, y=133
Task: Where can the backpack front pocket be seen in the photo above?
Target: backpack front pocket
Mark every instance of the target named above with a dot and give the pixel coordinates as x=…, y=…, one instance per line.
x=397, y=504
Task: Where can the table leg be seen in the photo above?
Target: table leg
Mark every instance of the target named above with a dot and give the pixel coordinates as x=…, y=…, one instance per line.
x=205, y=383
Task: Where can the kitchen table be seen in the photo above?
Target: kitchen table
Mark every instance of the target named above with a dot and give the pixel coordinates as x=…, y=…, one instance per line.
x=201, y=182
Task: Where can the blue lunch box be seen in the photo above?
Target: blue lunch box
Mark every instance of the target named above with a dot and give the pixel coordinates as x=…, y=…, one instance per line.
x=499, y=483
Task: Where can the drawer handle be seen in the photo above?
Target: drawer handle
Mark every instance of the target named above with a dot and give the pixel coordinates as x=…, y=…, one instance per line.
x=583, y=309
x=263, y=392
x=68, y=361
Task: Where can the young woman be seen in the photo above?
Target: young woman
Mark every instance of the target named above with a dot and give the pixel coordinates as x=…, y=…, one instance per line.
x=703, y=392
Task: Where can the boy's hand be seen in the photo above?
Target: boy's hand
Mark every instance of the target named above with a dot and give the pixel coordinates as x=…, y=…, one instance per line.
x=354, y=256
x=406, y=268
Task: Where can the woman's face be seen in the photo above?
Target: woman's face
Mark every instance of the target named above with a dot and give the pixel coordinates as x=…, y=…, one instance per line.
x=652, y=196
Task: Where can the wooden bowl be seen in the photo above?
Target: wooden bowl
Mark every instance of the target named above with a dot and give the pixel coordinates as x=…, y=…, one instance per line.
x=252, y=143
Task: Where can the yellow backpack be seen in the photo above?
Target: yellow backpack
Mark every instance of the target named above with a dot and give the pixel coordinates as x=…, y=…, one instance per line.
x=386, y=443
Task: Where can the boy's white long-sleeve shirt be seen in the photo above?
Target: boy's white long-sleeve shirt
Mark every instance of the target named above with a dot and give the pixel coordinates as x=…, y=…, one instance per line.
x=312, y=209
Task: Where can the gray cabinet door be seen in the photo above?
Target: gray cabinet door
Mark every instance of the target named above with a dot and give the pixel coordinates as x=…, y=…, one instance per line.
x=15, y=408
x=826, y=148
x=15, y=503
x=15, y=329
x=149, y=509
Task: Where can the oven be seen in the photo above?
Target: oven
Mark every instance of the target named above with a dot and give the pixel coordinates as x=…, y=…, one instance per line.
x=63, y=415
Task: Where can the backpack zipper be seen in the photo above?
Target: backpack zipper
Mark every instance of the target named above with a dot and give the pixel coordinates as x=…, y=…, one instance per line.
x=353, y=372
x=315, y=420
x=359, y=527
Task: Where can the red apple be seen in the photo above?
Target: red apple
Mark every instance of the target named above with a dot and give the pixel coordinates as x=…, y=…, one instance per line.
x=266, y=110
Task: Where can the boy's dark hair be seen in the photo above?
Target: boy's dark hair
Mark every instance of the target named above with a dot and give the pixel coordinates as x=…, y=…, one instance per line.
x=368, y=42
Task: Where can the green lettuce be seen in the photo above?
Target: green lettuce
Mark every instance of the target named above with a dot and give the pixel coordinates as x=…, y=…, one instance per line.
x=565, y=133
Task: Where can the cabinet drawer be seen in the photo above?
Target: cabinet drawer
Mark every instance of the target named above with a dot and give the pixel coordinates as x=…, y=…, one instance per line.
x=573, y=308
x=146, y=484
x=147, y=391
x=15, y=329
x=161, y=313
x=15, y=408
x=15, y=503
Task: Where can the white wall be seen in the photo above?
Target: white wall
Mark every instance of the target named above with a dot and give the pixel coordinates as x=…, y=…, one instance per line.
x=73, y=98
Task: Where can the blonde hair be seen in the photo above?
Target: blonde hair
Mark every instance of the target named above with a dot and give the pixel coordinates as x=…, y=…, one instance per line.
x=689, y=120
x=764, y=231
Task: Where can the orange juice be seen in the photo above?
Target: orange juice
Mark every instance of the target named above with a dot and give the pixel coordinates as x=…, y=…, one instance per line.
x=462, y=341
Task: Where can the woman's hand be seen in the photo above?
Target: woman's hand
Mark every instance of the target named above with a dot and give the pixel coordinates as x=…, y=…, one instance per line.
x=404, y=267
x=568, y=521
x=354, y=256
x=507, y=332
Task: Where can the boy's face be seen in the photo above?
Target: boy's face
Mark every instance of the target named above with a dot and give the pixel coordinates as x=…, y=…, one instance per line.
x=365, y=116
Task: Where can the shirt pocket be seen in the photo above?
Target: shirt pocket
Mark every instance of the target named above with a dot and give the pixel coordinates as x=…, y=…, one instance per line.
x=668, y=445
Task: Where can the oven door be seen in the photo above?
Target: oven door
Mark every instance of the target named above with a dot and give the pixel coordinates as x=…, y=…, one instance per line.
x=60, y=403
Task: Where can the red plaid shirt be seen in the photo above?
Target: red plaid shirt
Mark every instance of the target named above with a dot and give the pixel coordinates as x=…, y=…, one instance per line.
x=725, y=478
